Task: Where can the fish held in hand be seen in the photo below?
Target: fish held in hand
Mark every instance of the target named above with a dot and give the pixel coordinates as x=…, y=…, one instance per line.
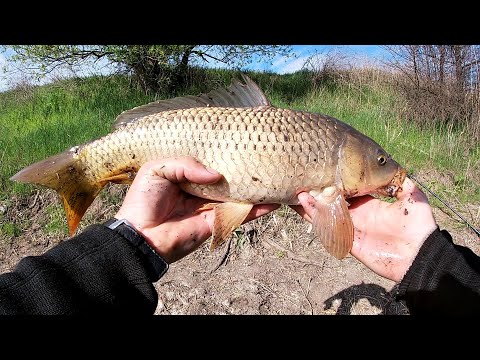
x=265, y=154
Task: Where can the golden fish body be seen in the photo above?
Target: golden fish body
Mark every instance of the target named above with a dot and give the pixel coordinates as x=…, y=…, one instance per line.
x=265, y=154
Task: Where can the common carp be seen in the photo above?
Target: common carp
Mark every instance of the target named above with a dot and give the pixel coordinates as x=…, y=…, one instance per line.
x=265, y=154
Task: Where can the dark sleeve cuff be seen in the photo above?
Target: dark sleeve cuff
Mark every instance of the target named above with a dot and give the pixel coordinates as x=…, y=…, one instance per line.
x=443, y=279
x=423, y=267
x=155, y=264
x=97, y=271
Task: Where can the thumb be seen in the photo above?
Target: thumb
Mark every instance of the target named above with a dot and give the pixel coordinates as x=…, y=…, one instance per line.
x=409, y=189
x=181, y=169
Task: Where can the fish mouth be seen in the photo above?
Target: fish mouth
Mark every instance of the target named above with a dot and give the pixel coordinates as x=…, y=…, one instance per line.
x=395, y=185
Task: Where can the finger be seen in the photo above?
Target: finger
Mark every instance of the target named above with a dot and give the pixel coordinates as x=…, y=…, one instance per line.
x=196, y=227
x=308, y=203
x=260, y=210
x=360, y=201
x=412, y=192
x=180, y=169
x=408, y=187
x=357, y=245
x=203, y=221
x=363, y=209
x=192, y=204
x=209, y=215
x=181, y=235
x=301, y=211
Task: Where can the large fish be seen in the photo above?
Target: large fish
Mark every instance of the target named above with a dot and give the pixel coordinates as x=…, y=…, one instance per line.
x=265, y=154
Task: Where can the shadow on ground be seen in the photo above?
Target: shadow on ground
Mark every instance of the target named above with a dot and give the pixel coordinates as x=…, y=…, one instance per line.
x=376, y=295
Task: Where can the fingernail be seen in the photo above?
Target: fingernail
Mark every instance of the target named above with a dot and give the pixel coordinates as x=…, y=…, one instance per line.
x=212, y=171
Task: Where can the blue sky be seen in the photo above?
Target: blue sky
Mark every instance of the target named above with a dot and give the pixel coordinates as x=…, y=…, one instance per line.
x=358, y=54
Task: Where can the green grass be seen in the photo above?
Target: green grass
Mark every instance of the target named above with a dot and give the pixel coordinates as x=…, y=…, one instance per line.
x=56, y=222
x=41, y=121
x=9, y=230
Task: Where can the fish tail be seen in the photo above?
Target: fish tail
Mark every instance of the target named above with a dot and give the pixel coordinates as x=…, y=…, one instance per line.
x=62, y=173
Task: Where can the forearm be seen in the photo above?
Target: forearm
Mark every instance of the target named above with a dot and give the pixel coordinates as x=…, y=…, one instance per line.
x=444, y=278
x=98, y=271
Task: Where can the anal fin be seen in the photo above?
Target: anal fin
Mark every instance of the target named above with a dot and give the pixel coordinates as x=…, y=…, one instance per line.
x=228, y=216
x=332, y=222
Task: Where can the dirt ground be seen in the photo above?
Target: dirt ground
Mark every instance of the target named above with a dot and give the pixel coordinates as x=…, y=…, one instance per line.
x=274, y=264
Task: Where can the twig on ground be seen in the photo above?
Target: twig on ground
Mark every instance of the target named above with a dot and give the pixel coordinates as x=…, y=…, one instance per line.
x=306, y=294
x=265, y=287
x=224, y=256
x=291, y=254
x=34, y=200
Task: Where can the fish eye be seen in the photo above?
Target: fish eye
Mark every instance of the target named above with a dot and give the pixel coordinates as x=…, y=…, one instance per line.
x=382, y=159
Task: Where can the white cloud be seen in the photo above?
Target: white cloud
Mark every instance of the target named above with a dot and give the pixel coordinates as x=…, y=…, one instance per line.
x=3, y=82
x=286, y=65
x=87, y=68
x=279, y=62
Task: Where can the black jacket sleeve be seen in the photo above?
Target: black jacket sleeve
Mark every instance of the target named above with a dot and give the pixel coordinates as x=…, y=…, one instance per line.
x=443, y=279
x=96, y=272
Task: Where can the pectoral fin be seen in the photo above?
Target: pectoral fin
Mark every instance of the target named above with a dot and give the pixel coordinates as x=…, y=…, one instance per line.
x=228, y=216
x=123, y=178
x=207, y=206
x=332, y=222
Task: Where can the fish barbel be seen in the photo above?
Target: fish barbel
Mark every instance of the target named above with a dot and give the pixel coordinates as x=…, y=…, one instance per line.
x=265, y=154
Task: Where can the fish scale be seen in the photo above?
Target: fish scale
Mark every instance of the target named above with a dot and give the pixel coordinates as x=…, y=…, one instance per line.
x=265, y=154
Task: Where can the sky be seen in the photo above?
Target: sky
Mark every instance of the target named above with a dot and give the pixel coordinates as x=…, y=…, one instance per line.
x=359, y=54
x=2, y=64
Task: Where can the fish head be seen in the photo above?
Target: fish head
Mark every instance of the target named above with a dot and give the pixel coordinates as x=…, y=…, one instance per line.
x=366, y=168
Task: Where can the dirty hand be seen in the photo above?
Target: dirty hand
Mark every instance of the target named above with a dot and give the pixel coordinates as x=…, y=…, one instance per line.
x=165, y=215
x=387, y=236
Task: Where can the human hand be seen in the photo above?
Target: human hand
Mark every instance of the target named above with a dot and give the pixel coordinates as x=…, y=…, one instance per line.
x=387, y=236
x=166, y=215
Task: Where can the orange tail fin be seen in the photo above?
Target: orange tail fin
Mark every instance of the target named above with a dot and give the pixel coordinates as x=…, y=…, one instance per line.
x=61, y=173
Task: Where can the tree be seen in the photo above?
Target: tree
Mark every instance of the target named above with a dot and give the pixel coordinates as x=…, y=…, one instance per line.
x=155, y=67
x=440, y=82
x=438, y=64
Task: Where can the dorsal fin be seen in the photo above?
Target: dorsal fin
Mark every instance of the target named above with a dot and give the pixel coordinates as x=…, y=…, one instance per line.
x=238, y=94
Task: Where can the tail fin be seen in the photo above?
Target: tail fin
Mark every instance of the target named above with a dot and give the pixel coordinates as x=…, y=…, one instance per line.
x=61, y=173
